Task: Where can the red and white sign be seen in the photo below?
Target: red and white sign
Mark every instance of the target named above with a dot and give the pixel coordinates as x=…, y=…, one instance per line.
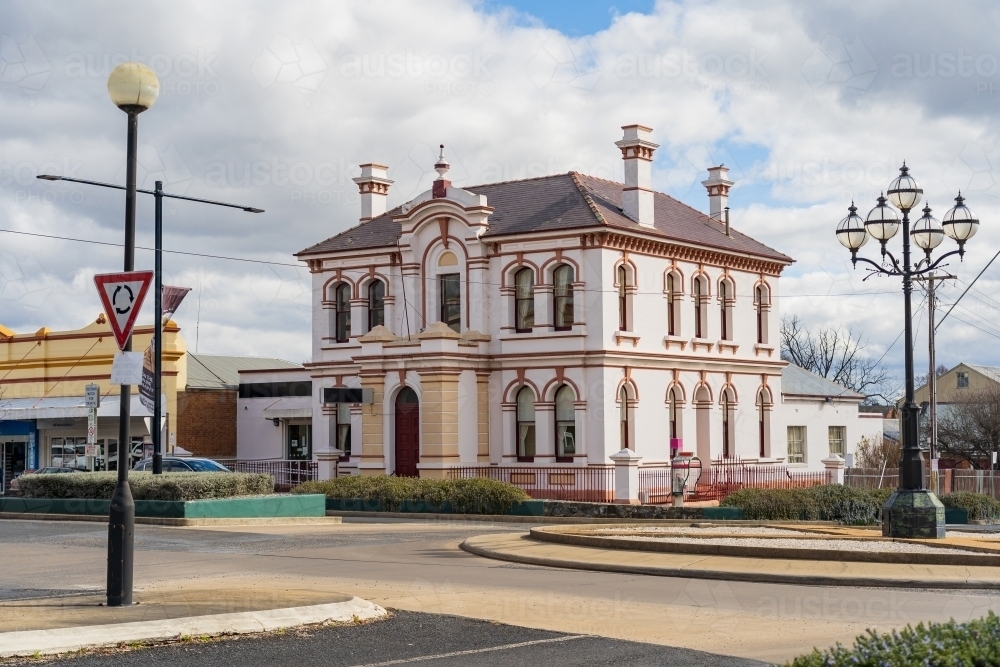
x=122, y=295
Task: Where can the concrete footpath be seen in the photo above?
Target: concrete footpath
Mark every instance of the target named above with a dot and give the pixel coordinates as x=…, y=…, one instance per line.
x=520, y=548
x=68, y=623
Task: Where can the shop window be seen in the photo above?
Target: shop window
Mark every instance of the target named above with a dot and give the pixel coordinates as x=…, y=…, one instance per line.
x=796, y=444
x=342, y=317
x=837, y=440
x=376, y=304
x=451, y=300
x=565, y=424
x=524, y=300
x=562, y=279
x=299, y=439
x=525, y=425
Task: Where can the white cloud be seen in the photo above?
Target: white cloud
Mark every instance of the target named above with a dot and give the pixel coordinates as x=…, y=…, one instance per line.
x=275, y=105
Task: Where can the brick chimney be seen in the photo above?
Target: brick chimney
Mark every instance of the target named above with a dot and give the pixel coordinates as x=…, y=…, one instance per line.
x=637, y=153
x=374, y=188
x=718, y=191
x=440, y=187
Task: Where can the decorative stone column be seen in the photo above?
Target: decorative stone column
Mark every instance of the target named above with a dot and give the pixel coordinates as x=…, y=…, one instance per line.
x=835, y=468
x=626, y=477
x=438, y=401
x=483, y=406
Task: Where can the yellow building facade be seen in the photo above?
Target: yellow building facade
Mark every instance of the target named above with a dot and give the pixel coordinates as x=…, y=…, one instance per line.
x=43, y=377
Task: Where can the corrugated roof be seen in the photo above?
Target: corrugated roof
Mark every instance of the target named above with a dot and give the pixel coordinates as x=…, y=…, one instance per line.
x=210, y=371
x=565, y=201
x=992, y=372
x=797, y=381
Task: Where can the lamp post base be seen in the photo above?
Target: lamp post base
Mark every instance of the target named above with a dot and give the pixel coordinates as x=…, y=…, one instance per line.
x=913, y=514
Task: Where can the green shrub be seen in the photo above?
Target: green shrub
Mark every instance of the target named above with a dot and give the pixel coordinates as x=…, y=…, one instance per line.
x=147, y=486
x=981, y=506
x=827, y=502
x=466, y=496
x=948, y=644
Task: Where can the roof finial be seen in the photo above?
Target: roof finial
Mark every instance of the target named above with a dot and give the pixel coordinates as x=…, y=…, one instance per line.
x=442, y=165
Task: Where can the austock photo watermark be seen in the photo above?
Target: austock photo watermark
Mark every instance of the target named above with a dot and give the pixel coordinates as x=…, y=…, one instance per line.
x=184, y=73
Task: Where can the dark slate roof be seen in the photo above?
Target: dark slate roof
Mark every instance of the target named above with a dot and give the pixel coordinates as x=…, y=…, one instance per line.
x=565, y=201
x=797, y=381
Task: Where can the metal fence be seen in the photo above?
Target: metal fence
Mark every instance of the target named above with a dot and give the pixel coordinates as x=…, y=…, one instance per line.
x=726, y=476
x=286, y=473
x=655, y=484
x=587, y=484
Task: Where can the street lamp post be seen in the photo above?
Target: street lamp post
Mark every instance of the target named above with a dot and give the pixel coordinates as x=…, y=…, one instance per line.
x=912, y=511
x=133, y=88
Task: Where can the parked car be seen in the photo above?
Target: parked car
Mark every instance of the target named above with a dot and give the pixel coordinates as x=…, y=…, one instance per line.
x=177, y=464
x=15, y=484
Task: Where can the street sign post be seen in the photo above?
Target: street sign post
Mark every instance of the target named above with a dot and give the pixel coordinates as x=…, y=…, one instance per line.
x=122, y=295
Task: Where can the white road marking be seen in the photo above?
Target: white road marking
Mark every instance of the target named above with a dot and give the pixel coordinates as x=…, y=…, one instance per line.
x=505, y=647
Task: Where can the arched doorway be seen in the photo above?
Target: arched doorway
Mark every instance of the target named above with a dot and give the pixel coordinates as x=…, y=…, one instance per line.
x=407, y=433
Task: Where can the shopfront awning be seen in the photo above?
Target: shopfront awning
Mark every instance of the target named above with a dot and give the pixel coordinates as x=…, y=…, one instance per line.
x=287, y=410
x=68, y=407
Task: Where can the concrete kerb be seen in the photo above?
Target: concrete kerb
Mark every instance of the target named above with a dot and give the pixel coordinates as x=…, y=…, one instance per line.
x=159, y=521
x=63, y=640
x=559, y=520
x=511, y=548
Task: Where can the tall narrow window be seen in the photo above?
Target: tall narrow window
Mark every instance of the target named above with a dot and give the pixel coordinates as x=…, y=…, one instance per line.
x=451, y=300
x=727, y=444
x=672, y=413
x=342, y=299
x=524, y=300
x=563, y=316
x=525, y=425
x=623, y=424
x=376, y=304
x=671, y=306
x=796, y=444
x=622, y=299
x=565, y=425
x=761, y=301
x=344, y=430
x=698, y=333
x=726, y=292
x=763, y=425
x=837, y=440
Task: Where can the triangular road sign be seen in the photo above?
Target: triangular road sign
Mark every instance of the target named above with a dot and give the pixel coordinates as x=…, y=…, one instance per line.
x=122, y=295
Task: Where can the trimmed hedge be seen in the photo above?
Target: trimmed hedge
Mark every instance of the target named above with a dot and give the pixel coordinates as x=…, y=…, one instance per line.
x=147, y=486
x=948, y=644
x=466, y=496
x=827, y=502
x=981, y=507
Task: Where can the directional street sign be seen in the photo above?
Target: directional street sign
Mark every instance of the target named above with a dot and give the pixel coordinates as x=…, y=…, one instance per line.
x=122, y=295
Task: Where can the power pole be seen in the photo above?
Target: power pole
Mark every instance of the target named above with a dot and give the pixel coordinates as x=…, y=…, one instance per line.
x=932, y=371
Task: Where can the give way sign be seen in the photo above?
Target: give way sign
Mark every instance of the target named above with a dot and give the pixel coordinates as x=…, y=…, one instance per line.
x=122, y=295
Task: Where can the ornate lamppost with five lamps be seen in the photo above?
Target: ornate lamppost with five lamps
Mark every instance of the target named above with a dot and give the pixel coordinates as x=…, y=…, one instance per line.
x=912, y=511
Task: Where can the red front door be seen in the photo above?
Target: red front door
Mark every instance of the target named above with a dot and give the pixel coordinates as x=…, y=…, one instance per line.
x=407, y=433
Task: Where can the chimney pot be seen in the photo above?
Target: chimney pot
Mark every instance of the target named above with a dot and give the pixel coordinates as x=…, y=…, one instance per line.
x=718, y=190
x=637, y=154
x=373, y=185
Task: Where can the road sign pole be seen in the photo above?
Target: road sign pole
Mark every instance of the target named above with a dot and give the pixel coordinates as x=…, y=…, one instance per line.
x=121, y=517
x=158, y=333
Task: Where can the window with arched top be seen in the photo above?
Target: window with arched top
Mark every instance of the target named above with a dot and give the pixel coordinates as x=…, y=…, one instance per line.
x=525, y=425
x=450, y=287
x=673, y=305
x=342, y=313
x=727, y=294
x=624, y=418
x=763, y=423
x=565, y=424
x=674, y=412
x=622, y=298
x=562, y=293
x=699, y=294
x=728, y=406
x=524, y=300
x=376, y=304
x=762, y=303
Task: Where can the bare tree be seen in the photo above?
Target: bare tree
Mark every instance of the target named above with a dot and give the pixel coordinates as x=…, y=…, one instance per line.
x=835, y=353
x=877, y=453
x=969, y=428
x=921, y=380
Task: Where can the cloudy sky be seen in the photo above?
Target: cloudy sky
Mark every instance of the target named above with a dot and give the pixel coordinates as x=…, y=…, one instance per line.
x=274, y=105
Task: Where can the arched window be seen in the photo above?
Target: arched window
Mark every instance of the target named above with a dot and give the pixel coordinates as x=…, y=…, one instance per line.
x=565, y=424
x=524, y=300
x=622, y=298
x=762, y=303
x=623, y=418
x=563, y=316
x=376, y=304
x=726, y=293
x=342, y=318
x=673, y=303
x=728, y=446
x=526, y=425
x=699, y=325
x=451, y=300
x=674, y=412
x=763, y=423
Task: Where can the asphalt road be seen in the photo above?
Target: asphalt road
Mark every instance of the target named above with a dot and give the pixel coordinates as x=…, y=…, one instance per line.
x=409, y=638
x=417, y=566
